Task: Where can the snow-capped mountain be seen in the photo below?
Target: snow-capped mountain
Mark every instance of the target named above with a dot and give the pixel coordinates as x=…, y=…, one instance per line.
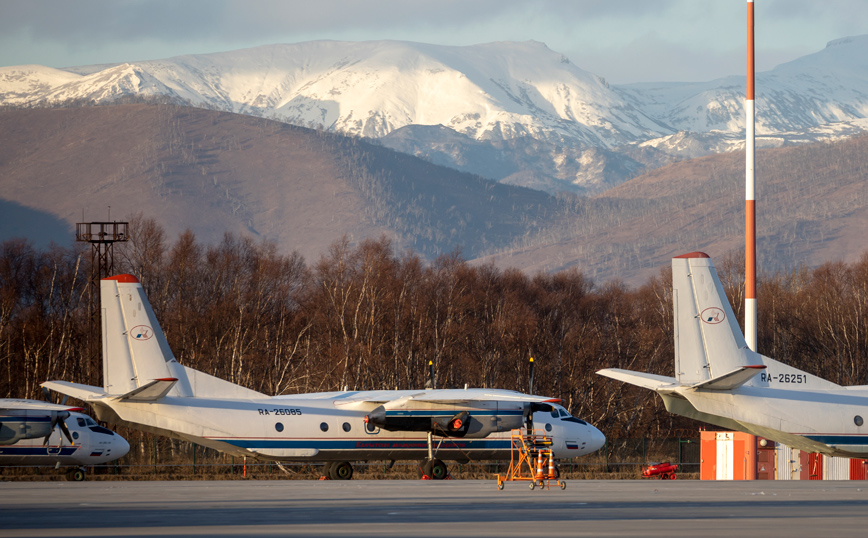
x=492, y=91
x=827, y=87
x=516, y=112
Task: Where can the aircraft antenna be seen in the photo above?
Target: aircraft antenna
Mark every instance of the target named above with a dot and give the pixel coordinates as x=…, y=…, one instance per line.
x=430, y=383
x=530, y=377
x=750, y=313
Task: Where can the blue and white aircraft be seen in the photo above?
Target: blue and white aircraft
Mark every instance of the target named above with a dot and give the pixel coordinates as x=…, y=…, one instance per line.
x=41, y=433
x=146, y=388
x=720, y=380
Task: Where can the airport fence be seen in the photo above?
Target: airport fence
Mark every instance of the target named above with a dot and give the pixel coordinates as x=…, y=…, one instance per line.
x=168, y=459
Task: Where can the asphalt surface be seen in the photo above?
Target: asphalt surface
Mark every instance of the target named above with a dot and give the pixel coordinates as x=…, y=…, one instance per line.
x=454, y=508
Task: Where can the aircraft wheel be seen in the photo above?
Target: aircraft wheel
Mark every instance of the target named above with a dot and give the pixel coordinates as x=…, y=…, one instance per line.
x=327, y=469
x=75, y=476
x=341, y=471
x=436, y=469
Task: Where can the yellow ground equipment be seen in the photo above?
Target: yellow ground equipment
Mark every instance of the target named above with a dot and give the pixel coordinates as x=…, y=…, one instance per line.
x=531, y=460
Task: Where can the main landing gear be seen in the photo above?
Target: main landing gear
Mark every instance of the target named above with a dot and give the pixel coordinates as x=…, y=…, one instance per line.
x=338, y=470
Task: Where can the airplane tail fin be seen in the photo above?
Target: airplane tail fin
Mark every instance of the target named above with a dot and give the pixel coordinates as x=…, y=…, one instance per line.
x=135, y=350
x=136, y=353
x=708, y=340
x=709, y=344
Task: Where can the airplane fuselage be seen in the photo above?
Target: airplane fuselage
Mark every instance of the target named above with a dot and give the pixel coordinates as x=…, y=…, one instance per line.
x=332, y=427
x=828, y=421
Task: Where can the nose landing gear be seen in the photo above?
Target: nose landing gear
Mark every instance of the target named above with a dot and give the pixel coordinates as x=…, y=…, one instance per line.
x=433, y=469
x=76, y=475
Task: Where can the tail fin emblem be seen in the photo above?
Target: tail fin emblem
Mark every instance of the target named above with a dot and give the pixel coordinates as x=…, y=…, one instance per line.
x=141, y=332
x=713, y=315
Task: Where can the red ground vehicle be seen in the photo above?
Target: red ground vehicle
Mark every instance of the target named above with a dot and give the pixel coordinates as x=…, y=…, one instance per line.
x=661, y=471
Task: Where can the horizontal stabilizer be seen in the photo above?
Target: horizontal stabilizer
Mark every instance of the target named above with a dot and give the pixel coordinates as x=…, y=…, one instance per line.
x=150, y=392
x=647, y=381
x=76, y=390
x=732, y=380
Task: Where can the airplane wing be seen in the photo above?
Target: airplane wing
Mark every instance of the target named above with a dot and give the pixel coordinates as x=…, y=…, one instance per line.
x=458, y=396
x=447, y=397
x=35, y=405
x=732, y=380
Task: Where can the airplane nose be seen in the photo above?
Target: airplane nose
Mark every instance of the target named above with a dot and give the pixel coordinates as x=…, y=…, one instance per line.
x=120, y=447
x=597, y=439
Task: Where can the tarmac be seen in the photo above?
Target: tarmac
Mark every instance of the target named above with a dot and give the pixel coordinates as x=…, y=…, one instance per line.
x=454, y=508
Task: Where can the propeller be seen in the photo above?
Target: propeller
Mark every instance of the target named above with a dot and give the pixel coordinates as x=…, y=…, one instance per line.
x=47, y=396
x=58, y=419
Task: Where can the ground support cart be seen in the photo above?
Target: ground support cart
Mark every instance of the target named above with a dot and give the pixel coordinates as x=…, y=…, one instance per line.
x=531, y=460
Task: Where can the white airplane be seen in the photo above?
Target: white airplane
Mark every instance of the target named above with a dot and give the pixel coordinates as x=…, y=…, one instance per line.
x=719, y=380
x=33, y=432
x=146, y=388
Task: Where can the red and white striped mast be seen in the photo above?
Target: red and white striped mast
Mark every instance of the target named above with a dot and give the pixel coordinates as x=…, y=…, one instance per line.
x=750, y=319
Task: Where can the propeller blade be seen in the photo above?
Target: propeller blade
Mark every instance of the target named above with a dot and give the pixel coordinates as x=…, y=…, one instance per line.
x=54, y=418
x=46, y=394
x=63, y=400
x=65, y=431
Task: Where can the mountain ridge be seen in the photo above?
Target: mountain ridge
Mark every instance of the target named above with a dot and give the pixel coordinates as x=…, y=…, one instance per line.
x=215, y=172
x=564, y=126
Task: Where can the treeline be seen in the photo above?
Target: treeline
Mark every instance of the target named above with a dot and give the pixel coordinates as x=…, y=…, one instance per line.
x=366, y=317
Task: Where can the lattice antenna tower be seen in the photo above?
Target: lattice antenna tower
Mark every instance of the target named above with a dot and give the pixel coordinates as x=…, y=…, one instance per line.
x=102, y=236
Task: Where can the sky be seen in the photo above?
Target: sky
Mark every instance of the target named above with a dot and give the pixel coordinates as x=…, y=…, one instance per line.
x=622, y=41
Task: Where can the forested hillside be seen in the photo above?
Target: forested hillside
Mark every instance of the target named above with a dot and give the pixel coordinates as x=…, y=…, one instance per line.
x=371, y=317
x=214, y=172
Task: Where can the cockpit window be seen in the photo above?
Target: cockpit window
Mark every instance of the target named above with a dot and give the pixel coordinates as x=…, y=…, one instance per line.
x=80, y=421
x=90, y=422
x=554, y=413
x=564, y=413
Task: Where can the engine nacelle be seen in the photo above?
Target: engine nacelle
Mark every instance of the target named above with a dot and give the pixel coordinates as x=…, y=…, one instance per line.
x=461, y=424
x=31, y=425
x=12, y=431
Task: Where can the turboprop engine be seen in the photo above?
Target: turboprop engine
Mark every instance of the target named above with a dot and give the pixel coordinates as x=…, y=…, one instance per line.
x=459, y=424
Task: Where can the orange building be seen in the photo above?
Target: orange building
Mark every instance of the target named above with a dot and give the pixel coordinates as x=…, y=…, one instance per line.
x=741, y=456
